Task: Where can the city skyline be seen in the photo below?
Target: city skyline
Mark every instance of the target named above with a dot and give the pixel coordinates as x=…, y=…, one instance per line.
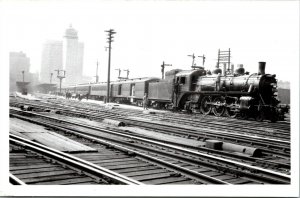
x=150, y=33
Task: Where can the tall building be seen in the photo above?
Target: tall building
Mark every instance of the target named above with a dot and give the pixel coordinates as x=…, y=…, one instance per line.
x=19, y=63
x=51, y=60
x=72, y=56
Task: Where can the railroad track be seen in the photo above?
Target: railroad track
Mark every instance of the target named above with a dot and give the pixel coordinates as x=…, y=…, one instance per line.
x=191, y=158
x=258, y=161
x=36, y=164
x=269, y=146
x=216, y=123
x=261, y=131
x=281, y=125
x=141, y=169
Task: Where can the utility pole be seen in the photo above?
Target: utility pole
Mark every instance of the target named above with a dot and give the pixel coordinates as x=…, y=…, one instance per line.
x=127, y=71
x=23, y=74
x=110, y=32
x=51, y=78
x=193, y=56
x=61, y=77
x=203, y=59
x=194, y=66
x=97, y=77
x=163, y=69
x=119, y=72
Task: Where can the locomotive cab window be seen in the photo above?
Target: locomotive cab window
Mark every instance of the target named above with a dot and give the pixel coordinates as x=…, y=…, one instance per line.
x=182, y=80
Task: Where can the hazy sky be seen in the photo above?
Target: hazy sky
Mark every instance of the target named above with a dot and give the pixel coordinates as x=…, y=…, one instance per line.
x=150, y=32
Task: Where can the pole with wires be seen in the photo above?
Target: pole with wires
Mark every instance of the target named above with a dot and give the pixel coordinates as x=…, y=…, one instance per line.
x=110, y=32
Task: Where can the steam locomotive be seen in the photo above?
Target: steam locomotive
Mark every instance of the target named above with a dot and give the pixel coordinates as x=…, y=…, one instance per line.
x=222, y=92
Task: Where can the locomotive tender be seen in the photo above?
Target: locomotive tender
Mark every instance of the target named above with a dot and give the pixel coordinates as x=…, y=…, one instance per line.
x=228, y=94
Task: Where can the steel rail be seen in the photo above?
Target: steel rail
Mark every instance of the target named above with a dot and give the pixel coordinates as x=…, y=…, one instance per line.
x=227, y=124
x=195, y=128
x=191, y=173
x=272, y=176
x=73, y=161
x=200, y=149
x=242, y=137
x=213, y=118
x=263, y=145
x=14, y=180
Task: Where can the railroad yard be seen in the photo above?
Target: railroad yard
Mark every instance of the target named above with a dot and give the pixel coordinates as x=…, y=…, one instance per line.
x=55, y=141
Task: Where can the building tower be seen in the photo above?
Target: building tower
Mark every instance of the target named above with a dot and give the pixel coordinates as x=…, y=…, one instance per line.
x=51, y=60
x=18, y=63
x=72, y=56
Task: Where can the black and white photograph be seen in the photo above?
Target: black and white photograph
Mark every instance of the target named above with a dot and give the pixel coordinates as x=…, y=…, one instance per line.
x=149, y=98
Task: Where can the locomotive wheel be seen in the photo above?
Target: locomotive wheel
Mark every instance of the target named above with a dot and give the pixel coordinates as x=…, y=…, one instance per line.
x=205, y=108
x=218, y=110
x=230, y=113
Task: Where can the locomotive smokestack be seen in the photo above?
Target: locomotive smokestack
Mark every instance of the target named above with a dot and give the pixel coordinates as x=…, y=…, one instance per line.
x=261, y=68
x=224, y=69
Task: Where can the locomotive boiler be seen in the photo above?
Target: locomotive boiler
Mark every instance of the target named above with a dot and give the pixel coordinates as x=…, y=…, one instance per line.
x=231, y=94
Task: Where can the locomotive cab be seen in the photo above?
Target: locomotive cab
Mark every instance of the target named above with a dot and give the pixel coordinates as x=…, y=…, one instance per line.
x=187, y=80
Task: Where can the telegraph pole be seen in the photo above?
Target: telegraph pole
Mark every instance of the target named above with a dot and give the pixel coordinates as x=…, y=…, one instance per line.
x=203, y=59
x=97, y=77
x=60, y=76
x=110, y=32
x=163, y=69
x=193, y=56
x=127, y=71
x=194, y=66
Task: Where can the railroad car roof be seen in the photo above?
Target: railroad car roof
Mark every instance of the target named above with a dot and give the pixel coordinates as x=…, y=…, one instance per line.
x=135, y=80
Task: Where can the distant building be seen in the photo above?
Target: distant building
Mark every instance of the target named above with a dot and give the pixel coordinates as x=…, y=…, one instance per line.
x=63, y=55
x=52, y=59
x=18, y=63
x=72, y=57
